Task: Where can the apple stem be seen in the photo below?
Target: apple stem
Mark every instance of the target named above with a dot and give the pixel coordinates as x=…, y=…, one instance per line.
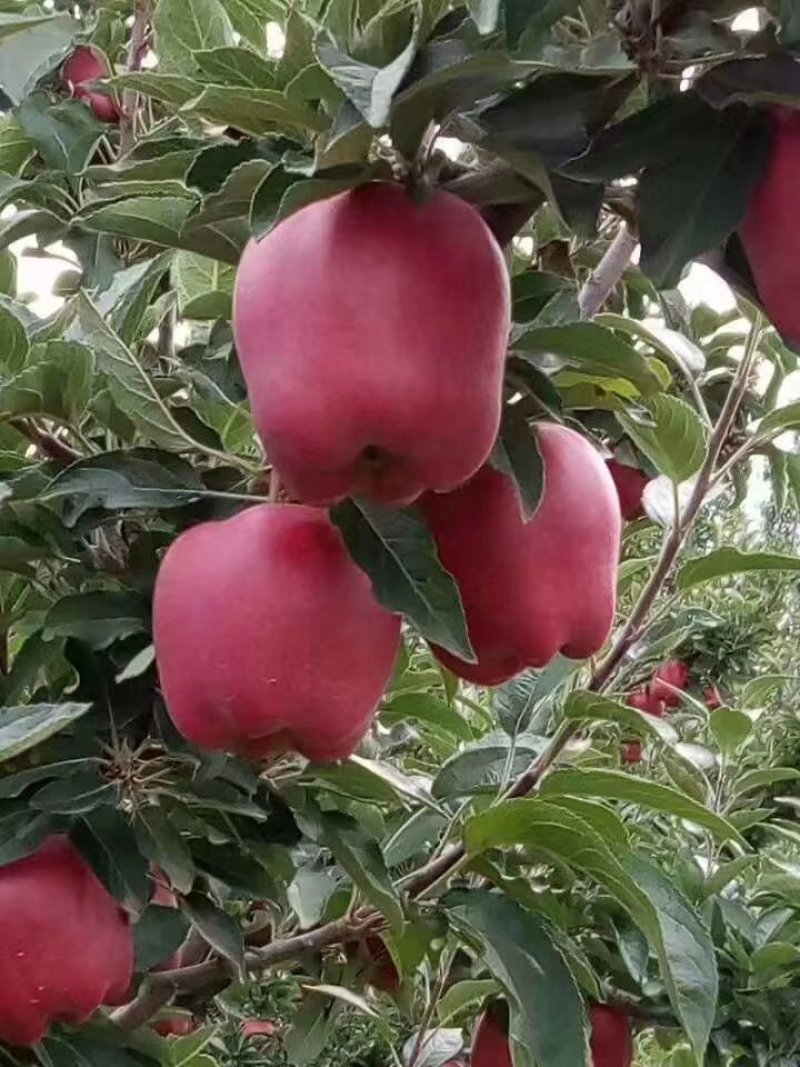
x=604, y=278
x=136, y=51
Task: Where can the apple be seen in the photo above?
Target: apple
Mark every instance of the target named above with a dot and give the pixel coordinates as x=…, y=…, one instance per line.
x=66, y=946
x=85, y=65
x=490, y=1047
x=175, y=1025
x=769, y=229
x=258, y=1028
x=672, y=675
x=632, y=752
x=644, y=700
x=534, y=588
x=629, y=483
x=611, y=1039
x=372, y=328
x=268, y=637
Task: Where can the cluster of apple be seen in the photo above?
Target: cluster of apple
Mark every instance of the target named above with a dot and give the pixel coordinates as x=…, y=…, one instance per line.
x=372, y=331
x=661, y=695
x=610, y=1041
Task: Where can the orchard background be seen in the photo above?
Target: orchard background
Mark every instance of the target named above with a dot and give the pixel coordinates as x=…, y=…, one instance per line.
x=530, y=849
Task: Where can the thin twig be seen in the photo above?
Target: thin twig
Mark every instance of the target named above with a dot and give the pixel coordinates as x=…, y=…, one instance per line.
x=606, y=275
x=136, y=51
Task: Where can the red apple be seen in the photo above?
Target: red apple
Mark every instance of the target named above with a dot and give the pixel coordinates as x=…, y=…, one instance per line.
x=532, y=588
x=258, y=1028
x=629, y=483
x=644, y=700
x=175, y=1025
x=672, y=675
x=769, y=231
x=372, y=330
x=66, y=946
x=611, y=1038
x=632, y=752
x=490, y=1047
x=85, y=65
x=268, y=636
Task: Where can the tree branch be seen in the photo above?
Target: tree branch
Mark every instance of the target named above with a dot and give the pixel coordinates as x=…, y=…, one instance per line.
x=47, y=444
x=136, y=52
x=603, y=279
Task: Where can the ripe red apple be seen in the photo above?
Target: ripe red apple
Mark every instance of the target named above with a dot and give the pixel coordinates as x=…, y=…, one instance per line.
x=632, y=752
x=611, y=1038
x=268, y=636
x=372, y=329
x=177, y=1025
x=258, y=1028
x=630, y=483
x=531, y=589
x=713, y=698
x=672, y=675
x=644, y=700
x=85, y=65
x=490, y=1047
x=66, y=946
x=769, y=230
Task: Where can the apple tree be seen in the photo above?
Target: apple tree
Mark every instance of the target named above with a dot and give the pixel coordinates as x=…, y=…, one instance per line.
x=398, y=533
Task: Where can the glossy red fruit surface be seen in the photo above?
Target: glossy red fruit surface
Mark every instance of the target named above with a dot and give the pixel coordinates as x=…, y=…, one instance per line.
x=85, y=65
x=629, y=483
x=268, y=636
x=644, y=700
x=611, y=1037
x=66, y=946
x=372, y=330
x=490, y=1047
x=769, y=231
x=532, y=589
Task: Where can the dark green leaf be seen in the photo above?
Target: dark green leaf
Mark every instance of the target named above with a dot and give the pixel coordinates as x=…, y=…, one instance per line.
x=65, y=134
x=98, y=618
x=164, y=846
x=399, y=555
x=360, y=856
x=216, y=927
x=182, y=29
x=158, y=934
x=725, y=561
x=370, y=89
x=486, y=765
x=517, y=454
x=24, y=728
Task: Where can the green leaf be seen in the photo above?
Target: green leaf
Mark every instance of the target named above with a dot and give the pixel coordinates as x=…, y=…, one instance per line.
x=548, y=1016
x=684, y=947
x=730, y=728
x=370, y=89
x=98, y=618
x=360, y=856
x=584, y=705
x=725, y=561
x=204, y=286
x=182, y=29
x=466, y=996
x=65, y=135
x=427, y=709
x=619, y=786
x=699, y=197
x=164, y=846
x=255, y=111
x=486, y=765
x=309, y=1033
x=75, y=795
x=14, y=345
x=158, y=934
x=130, y=385
x=236, y=66
x=399, y=555
x=57, y=381
x=517, y=454
x=125, y=301
x=761, y=779
x=534, y=17
x=173, y=89
x=250, y=17
x=106, y=841
x=517, y=701
x=674, y=439
x=25, y=727
x=216, y=927
x=155, y=219
x=138, y=478
x=593, y=349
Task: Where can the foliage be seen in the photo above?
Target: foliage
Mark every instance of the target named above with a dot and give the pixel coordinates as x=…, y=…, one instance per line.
x=671, y=887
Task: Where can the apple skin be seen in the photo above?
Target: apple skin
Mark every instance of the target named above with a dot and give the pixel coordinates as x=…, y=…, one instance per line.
x=644, y=700
x=85, y=65
x=632, y=752
x=372, y=328
x=175, y=1025
x=66, y=946
x=769, y=229
x=258, y=1028
x=611, y=1038
x=268, y=637
x=531, y=589
x=676, y=674
x=629, y=483
x=490, y=1047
